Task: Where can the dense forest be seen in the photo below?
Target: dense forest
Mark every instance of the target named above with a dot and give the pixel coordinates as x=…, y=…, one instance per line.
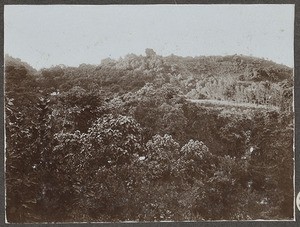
x=149, y=138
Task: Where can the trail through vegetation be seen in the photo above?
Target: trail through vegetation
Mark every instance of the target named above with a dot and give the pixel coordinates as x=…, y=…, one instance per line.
x=207, y=102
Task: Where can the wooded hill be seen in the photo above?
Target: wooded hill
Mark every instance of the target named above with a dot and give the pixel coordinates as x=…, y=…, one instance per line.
x=149, y=138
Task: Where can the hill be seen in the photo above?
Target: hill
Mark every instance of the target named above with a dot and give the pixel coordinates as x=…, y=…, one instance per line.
x=149, y=138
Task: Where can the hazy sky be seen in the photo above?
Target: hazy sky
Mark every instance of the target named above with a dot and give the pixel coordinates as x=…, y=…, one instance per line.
x=71, y=35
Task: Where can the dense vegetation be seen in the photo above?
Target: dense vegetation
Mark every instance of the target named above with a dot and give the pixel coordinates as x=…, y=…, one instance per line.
x=125, y=140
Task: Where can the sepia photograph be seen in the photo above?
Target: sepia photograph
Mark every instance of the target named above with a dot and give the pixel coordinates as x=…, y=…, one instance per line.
x=149, y=113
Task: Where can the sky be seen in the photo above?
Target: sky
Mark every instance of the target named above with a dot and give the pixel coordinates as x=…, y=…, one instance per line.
x=49, y=35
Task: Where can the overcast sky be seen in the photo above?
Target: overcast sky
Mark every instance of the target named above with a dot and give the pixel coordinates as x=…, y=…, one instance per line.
x=49, y=35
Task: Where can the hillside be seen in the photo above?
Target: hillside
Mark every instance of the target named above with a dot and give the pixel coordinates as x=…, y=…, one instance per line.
x=231, y=78
x=149, y=138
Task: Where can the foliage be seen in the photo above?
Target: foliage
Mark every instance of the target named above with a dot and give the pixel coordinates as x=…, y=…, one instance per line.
x=124, y=140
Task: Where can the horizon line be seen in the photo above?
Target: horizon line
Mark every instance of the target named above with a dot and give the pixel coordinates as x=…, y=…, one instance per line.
x=143, y=55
